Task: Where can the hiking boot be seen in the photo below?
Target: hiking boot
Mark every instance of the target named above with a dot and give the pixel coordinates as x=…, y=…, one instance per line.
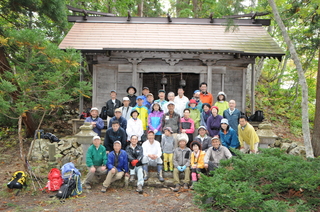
x=177, y=188
x=87, y=186
x=186, y=186
x=104, y=189
x=160, y=173
x=139, y=189
x=145, y=172
x=132, y=178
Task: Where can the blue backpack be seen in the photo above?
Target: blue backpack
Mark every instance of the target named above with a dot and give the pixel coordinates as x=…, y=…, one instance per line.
x=69, y=171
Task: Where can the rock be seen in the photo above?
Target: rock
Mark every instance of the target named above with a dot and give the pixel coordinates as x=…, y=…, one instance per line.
x=66, y=145
x=292, y=146
x=299, y=151
x=277, y=143
x=285, y=146
x=265, y=125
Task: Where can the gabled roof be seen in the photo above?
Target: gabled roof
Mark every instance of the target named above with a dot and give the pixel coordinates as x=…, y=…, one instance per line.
x=246, y=39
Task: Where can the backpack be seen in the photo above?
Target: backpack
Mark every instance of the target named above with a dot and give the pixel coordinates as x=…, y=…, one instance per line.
x=18, y=180
x=54, y=180
x=51, y=137
x=103, y=113
x=257, y=116
x=66, y=189
x=69, y=171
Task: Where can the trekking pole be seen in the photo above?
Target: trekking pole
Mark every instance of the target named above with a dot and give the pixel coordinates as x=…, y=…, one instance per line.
x=32, y=175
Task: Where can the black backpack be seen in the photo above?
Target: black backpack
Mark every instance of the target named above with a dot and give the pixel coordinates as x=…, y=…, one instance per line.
x=18, y=180
x=66, y=189
x=103, y=113
x=257, y=116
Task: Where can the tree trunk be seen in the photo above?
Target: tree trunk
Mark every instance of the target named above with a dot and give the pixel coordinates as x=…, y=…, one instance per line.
x=302, y=81
x=316, y=128
x=28, y=121
x=20, y=137
x=140, y=8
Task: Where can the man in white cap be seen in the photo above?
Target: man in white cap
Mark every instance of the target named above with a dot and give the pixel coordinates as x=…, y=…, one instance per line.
x=96, y=122
x=96, y=161
x=126, y=108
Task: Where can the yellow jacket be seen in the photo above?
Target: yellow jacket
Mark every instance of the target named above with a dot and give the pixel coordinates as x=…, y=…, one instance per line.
x=248, y=135
x=198, y=161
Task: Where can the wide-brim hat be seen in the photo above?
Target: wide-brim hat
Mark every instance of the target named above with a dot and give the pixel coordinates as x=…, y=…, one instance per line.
x=135, y=90
x=134, y=111
x=193, y=101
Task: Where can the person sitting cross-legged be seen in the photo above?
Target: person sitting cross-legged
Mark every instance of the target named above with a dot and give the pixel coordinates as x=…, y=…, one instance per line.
x=152, y=156
x=117, y=165
x=197, y=162
x=135, y=155
x=216, y=153
x=96, y=161
x=181, y=161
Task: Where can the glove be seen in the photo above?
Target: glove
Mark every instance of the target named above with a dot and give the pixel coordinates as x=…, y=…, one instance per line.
x=134, y=162
x=179, y=168
x=183, y=168
x=155, y=131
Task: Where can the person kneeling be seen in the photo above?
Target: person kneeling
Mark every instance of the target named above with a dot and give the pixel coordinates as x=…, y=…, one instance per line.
x=96, y=161
x=197, y=162
x=135, y=155
x=215, y=153
x=181, y=161
x=152, y=156
x=117, y=165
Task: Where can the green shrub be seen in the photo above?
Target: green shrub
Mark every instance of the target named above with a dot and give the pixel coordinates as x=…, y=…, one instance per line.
x=270, y=181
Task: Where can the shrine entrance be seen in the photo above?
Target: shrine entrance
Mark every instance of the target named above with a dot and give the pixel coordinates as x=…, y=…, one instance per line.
x=153, y=81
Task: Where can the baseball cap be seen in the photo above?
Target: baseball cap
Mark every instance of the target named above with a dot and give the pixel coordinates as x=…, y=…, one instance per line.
x=113, y=91
x=94, y=108
x=117, y=142
x=145, y=88
x=125, y=98
x=117, y=110
x=96, y=137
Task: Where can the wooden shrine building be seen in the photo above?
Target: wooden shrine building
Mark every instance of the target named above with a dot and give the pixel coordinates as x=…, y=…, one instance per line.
x=124, y=51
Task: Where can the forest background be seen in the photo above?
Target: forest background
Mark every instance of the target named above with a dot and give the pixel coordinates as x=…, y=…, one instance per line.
x=38, y=79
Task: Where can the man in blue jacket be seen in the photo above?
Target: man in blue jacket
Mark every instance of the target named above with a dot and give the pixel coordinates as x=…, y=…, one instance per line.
x=117, y=165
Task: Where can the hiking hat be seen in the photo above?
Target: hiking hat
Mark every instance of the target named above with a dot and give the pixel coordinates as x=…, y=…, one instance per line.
x=196, y=91
x=195, y=143
x=216, y=137
x=96, y=137
x=161, y=91
x=145, y=88
x=169, y=129
x=192, y=101
x=224, y=121
x=113, y=91
x=149, y=94
x=118, y=110
x=170, y=103
x=202, y=127
x=215, y=108
x=135, y=90
x=140, y=97
x=94, y=108
x=117, y=142
x=125, y=98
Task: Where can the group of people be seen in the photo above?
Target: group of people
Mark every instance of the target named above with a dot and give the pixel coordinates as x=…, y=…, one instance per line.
x=178, y=135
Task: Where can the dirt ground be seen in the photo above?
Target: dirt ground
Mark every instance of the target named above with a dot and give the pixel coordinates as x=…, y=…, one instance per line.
x=119, y=199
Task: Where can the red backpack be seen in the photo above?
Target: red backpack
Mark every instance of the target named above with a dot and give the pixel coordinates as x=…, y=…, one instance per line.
x=54, y=180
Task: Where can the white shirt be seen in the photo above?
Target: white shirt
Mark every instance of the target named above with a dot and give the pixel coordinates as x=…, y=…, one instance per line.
x=180, y=104
x=134, y=127
x=151, y=149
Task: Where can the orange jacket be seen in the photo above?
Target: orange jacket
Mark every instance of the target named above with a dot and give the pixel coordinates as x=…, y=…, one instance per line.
x=199, y=162
x=206, y=98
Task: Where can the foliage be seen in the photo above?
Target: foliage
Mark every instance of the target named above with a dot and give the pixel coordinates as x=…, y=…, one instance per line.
x=270, y=181
x=41, y=78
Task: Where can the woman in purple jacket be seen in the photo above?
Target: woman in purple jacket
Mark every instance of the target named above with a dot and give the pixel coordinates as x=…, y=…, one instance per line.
x=154, y=120
x=214, y=121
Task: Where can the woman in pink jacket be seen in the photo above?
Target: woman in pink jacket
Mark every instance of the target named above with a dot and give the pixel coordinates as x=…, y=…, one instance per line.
x=187, y=125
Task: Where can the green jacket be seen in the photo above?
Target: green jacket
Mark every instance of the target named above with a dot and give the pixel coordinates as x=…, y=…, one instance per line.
x=96, y=157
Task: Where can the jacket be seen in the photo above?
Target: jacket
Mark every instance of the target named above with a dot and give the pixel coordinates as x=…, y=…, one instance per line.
x=126, y=111
x=154, y=121
x=167, y=144
x=205, y=142
x=248, y=135
x=187, y=125
x=133, y=100
x=204, y=118
x=222, y=107
x=122, y=121
x=173, y=122
x=198, y=161
x=180, y=104
x=181, y=157
x=215, y=155
x=111, y=137
x=213, y=125
x=122, y=161
x=230, y=139
x=99, y=124
x=111, y=107
x=206, y=98
x=233, y=119
x=96, y=157
x=134, y=128
x=195, y=116
x=199, y=105
x=134, y=154
x=143, y=115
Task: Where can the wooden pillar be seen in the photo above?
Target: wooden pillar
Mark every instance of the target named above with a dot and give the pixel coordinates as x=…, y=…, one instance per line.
x=244, y=92
x=135, y=74
x=209, y=79
x=222, y=82
x=253, y=77
x=81, y=79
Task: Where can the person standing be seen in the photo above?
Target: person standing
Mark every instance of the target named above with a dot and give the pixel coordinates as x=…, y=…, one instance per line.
x=134, y=126
x=187, y=125
x=115, y=133
x=117, y=117
x=233, y=115
x=154, y=120
x=206, y=112
x=171, y=97
x=96, y=122
x=194, y=113
x=117, y=165
x=143, y=112
x=167, y=146
x=96, y=160
x=214, y=121
x=131, y=91
x=180, y=101
x=112, y=104
x=149, y=102
x=135, y=156
x=162, y=101
x=203, y=138
x=126, y=108
x=172, y=120
x=221, y=103
x=248, y=138
x=205, y=96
